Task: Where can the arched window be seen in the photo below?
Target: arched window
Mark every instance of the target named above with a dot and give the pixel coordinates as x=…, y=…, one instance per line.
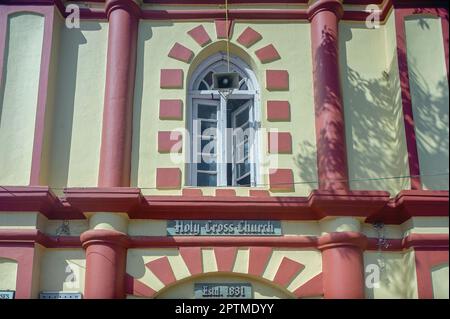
x=224, y=130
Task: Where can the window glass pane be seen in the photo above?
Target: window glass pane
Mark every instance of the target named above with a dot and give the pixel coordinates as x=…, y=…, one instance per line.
x=243, y=85
x=202, y=86
x=207, y=111
x=208, y=146
x=246, y=148
x=205, y=179
x=212, y=166
x=242, y=169
x=245, y=181
x=209, y=78
x=242, y=118
x=239, y=155
x=208, y=128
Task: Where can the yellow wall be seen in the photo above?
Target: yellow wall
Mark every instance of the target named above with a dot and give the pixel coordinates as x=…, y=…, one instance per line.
x=429, y=93
x=62, y=270
x=376, y=144
x=439, y=277
x=292, y=42
x=46, y=168
x=8, y=274
x=398, y=281
x=18, y=96
x=79, y=105
x=18, y=220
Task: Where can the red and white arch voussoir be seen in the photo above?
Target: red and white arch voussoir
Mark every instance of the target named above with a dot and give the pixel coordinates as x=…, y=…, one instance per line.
x=281, y=180
x=258, y=259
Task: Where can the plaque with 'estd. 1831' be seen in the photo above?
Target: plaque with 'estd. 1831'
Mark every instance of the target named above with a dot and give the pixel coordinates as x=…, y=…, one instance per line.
x=223, y=228
x=223, y=290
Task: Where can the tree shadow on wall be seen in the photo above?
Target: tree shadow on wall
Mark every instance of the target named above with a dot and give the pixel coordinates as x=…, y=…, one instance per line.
x=392, y=278
x=431, y=120
x=374, y=126
x=329, y=103
x=306, y=161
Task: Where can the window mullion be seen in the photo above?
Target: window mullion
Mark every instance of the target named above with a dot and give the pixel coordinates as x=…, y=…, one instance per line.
x=222, y=144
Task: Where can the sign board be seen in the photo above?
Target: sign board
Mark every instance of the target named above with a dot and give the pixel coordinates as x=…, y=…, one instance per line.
x=60, y=295
x=7, y=294
x=223, y=228
x=223, y=290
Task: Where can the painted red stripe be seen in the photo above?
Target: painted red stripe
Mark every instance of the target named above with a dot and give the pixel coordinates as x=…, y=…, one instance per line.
x=267, y=54
x=408, y=117
x=249, y=37
x=224, y=29
x=287, y=271
x=200, y=35
x=192, y=257
x=225, y=258
x=225, y=193
x=248, y=14
x=137, y=288
x=258, y=259
x=312, y=288
x=425, y=261
x=445, y=37
x=237, y=2
x=181, y=53
x=194, y=192
x=162, y=270
x=259, y=193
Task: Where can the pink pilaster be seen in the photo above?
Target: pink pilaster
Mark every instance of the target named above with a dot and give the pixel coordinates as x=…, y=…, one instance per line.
x=115, y=153
x=329, y=109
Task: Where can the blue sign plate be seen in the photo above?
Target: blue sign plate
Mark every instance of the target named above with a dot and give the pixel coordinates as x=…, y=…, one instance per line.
x=60, y=295
x=7, y=294
x=223, y=228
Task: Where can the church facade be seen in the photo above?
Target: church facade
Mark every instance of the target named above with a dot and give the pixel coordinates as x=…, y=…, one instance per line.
x=224, y=149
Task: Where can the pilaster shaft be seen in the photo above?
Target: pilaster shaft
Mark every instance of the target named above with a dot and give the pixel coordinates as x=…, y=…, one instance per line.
x=330, y=129
x=115, y=153
x=106, y=246
x=342, y=247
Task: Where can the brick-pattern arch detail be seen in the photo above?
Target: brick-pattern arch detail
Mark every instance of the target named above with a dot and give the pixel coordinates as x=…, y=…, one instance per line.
x=247, y=38
x=258, y=261
x=275, y=80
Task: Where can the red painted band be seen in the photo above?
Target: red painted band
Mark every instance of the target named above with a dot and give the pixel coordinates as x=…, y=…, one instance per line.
x=408, y=118
x=41, y=111
x=3, y=37
x=417, y=241
x=269, y=14
x=375, y=206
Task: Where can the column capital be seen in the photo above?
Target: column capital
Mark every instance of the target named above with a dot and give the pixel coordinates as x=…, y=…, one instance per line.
x=342, y=239
x=334, y=6
x=132, y=6
x=104, y=237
